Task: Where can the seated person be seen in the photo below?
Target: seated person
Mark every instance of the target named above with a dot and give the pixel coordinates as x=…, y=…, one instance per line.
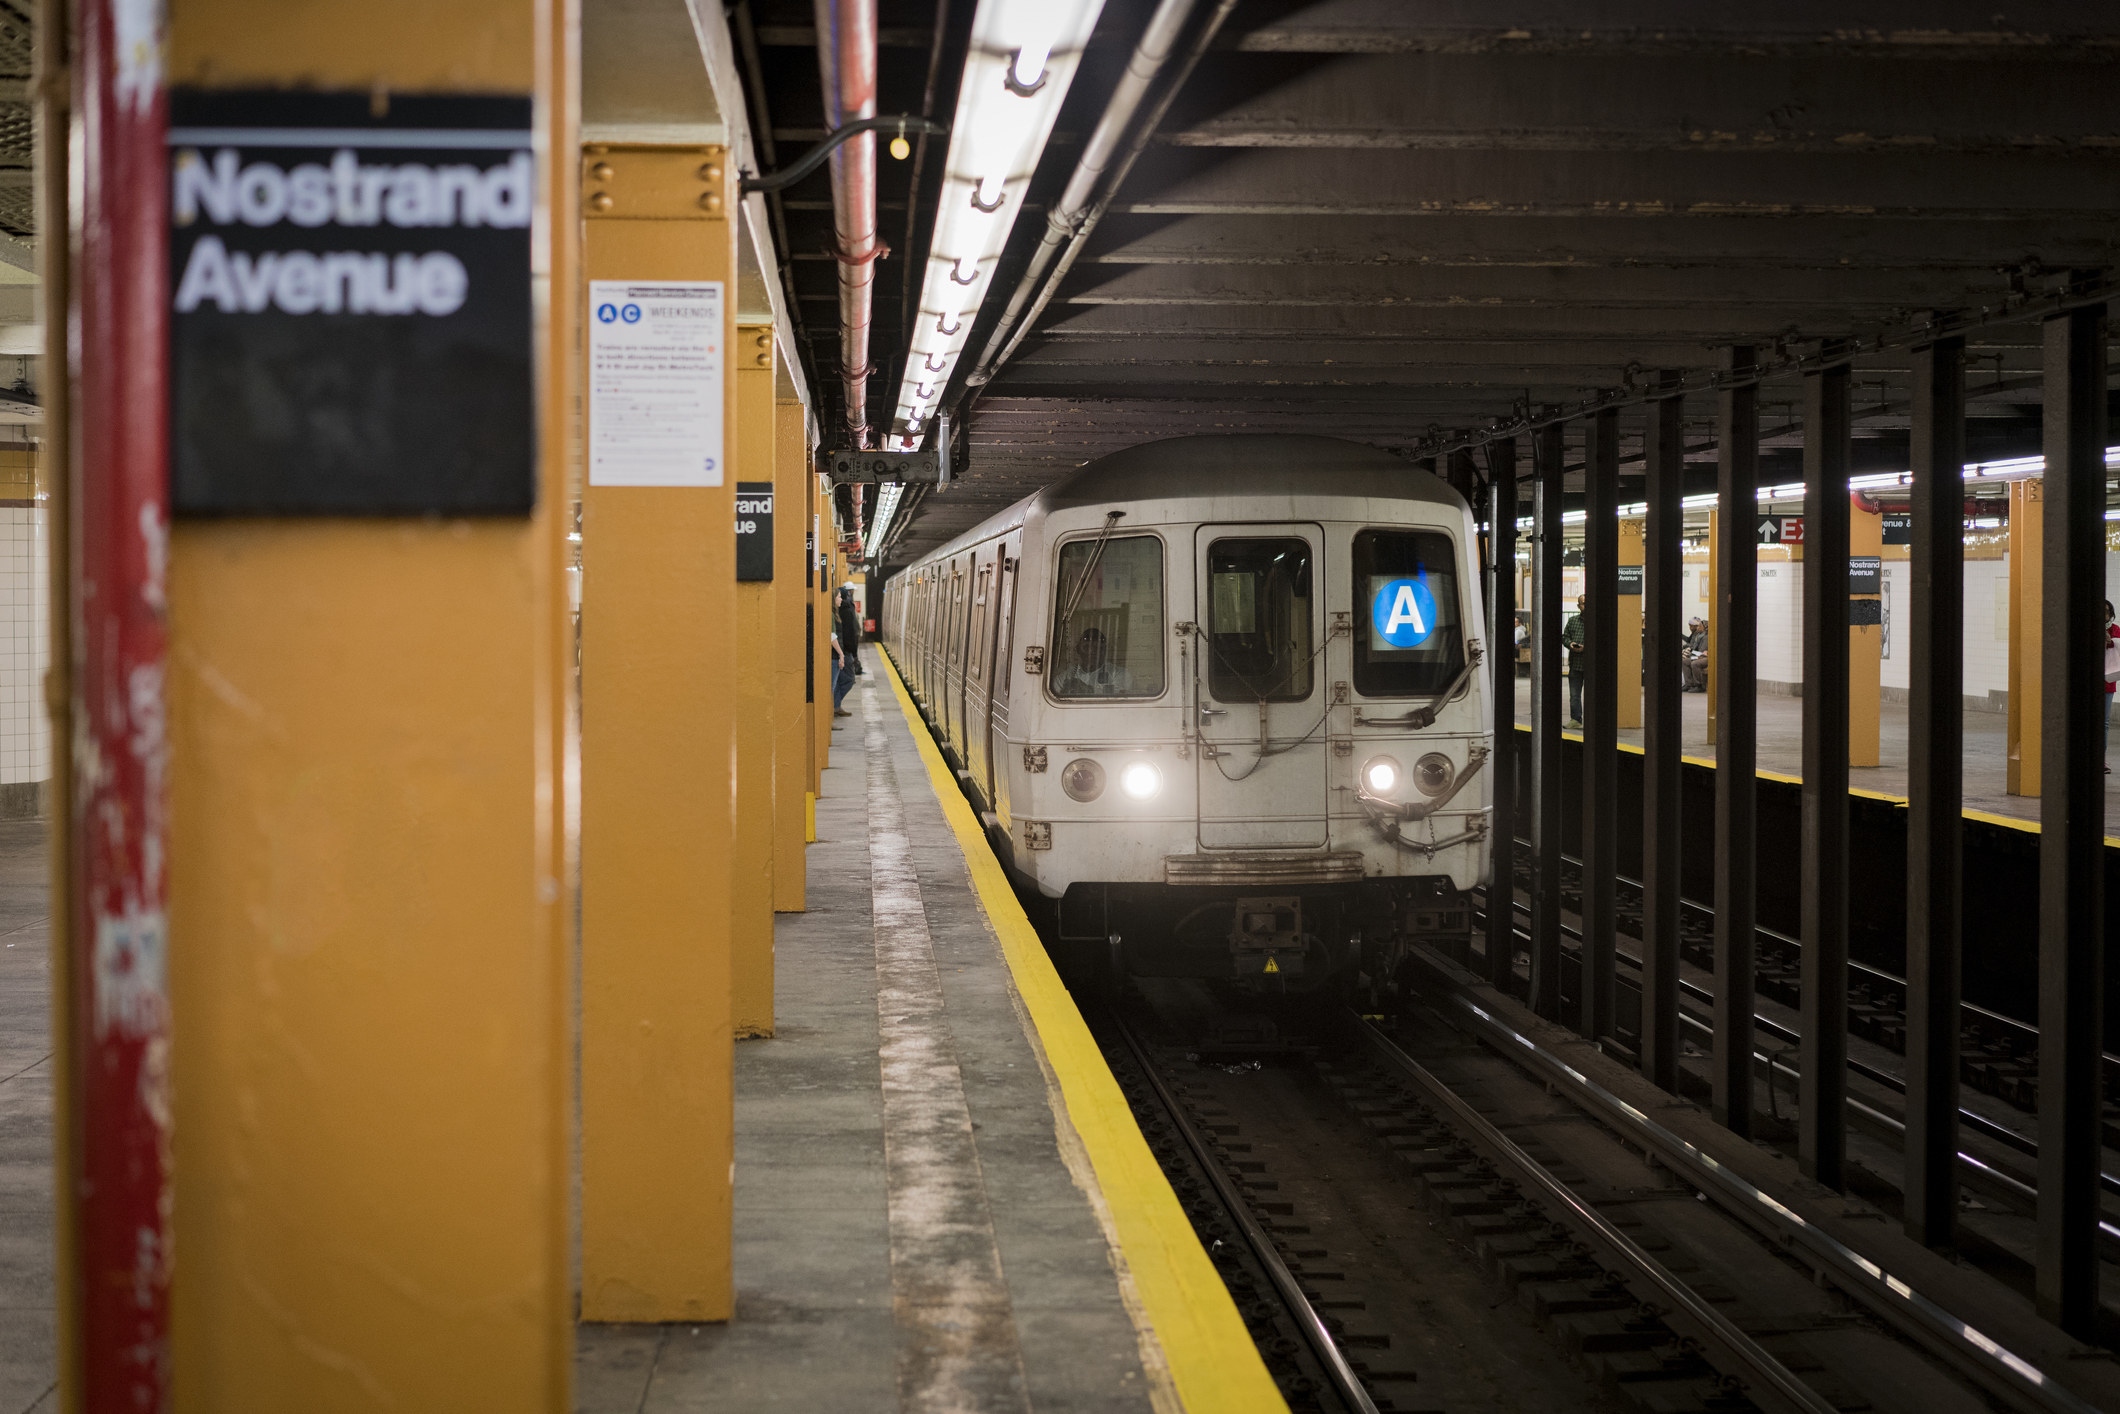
x=1091, y=673
x=1696, y=656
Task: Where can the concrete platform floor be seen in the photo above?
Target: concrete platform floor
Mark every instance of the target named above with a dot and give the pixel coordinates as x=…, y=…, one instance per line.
x=1780, y=749
x=28, y=1366
x=832, y=1266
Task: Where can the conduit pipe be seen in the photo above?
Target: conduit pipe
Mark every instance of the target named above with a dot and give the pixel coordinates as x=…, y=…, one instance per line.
x=846, y=60
x=1150, y=54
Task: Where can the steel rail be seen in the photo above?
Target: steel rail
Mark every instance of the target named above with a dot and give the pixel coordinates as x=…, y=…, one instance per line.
x=1346, y=1383
x=1768, y=1382
x=1891, y=1298
x=1970, y=1119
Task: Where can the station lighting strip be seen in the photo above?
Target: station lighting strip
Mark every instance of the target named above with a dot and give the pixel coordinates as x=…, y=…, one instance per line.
x=887, y=497
x=1022, y=59
x=2013, y=469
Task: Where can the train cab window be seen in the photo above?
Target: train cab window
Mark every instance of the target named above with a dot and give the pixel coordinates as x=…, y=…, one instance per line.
x=1108, y=618
x=1260, y=640
x=1410, y=639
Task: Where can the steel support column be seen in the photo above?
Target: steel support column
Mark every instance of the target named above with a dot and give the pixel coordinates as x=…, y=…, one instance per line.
x=1501, y=655
x=2072, y=823
x=1736, y=628
x=1600, y=852
x=1663, y=585
x=1935, y=780
x=1822, y=1123
x=1549, y=460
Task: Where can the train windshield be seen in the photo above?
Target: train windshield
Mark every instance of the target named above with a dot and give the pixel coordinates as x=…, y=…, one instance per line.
x=1411, y=640
x=1108, y=618
x=1259, y=634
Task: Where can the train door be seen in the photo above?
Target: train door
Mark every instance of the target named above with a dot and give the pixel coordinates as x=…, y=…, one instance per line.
x=1260, y=683
x=975, y=664
x=998, y=672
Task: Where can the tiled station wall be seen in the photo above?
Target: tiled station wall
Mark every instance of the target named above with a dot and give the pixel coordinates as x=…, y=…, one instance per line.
x=25, y=637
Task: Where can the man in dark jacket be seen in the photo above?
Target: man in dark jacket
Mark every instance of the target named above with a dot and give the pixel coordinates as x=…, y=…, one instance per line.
x=849, y=612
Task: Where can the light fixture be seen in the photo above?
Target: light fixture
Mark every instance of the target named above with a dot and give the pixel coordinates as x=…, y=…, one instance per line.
x=1082, y=779
x=1433, y=773
x=1141, y=779
x=1022, y=59
x=1380, y=775
x=887, y=496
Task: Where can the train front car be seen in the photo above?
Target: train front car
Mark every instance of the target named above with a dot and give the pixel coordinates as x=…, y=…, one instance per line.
x=1244, y=734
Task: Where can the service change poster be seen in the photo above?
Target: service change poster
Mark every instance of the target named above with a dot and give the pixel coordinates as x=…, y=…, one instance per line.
x=655, y=387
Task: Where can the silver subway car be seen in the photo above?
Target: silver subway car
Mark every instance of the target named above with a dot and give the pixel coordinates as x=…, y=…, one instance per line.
x=1217, y=700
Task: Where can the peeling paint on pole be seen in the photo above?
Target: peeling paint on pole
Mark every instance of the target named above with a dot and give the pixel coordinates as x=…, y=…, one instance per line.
x=118, y=351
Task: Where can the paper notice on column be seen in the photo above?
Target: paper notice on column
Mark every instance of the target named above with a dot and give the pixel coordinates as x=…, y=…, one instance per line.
x=655, y=384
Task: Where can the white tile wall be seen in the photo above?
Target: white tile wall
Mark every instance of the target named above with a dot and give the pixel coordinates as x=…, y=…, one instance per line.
x=25, y=648
x=1780, y=621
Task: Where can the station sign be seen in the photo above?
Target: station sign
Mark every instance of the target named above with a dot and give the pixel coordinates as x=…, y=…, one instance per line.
x=350, y=319
x=754, y=532
x=1898, y=527
x=1865, y=574
x=1779, y=530
x=1630, y=579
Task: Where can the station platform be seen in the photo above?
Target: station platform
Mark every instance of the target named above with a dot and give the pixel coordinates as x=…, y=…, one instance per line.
x=942, y=1201
x=1780, y=750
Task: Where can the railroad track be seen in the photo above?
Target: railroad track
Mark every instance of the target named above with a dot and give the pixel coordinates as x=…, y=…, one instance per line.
x=1397, y=1207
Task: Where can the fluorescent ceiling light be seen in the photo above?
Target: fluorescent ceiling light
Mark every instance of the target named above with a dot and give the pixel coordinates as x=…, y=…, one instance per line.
x=1022, y=60
x=887, y=496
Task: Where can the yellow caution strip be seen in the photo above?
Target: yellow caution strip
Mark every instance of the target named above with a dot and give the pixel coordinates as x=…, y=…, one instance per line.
x=1212, y=1360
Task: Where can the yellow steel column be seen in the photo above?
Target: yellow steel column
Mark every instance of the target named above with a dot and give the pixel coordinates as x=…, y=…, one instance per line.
x=751, y=940
x=2027, y=535
x=1865, y=642
x=791, y=713
x=1629, y=647
x=368, y=905
x=826, y=574
x=658, y=794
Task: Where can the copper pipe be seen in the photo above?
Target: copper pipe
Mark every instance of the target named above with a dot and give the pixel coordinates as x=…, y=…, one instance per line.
x=846, y=60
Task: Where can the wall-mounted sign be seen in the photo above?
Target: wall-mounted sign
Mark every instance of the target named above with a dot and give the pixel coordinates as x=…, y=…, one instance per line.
x=1780, y=530
x=1630, y=579
x=1898, y=528
x=350, y=329
x=1865, y=574
x=1865, y=613
x=655, y=388
x=754, y=532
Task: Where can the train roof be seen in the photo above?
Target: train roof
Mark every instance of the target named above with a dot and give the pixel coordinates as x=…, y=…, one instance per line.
x=1234, y=465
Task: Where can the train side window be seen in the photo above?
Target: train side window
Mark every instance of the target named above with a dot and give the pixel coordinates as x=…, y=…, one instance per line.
x=1410, y=638
x=1108, y=619
x=1259, y=633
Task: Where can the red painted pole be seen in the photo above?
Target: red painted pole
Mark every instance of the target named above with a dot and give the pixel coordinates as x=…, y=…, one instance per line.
x=118, y=351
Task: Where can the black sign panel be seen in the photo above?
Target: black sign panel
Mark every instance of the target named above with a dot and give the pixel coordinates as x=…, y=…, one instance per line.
x=1865, y=613
x=1865, y=574
x=350, y=323
x=1898, y=528
x=1630, y=579
x=754, y=531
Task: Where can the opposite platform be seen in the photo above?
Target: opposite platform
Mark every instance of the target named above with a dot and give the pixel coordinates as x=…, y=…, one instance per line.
x=919, y=1222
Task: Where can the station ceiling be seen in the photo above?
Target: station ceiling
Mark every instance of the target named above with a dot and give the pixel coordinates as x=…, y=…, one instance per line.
x=1399, y=222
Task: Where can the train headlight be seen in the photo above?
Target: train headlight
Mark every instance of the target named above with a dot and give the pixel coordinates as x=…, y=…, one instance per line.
x=1082, y=779
x=1141, y=780
x=1433, y=773
x=1380, y=775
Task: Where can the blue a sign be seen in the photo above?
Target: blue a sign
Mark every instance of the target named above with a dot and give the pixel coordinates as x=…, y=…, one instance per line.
x=1403, y=612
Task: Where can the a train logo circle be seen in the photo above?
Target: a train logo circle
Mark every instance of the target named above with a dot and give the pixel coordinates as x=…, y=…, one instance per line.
x=1403, y=611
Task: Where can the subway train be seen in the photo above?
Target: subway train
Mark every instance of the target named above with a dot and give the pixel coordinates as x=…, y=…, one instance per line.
x=1217, y=701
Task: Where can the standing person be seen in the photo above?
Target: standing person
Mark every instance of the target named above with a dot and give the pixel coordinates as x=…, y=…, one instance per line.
x=842, y=676
x=848, y=611
x=1574, y=640
x=2112, y=631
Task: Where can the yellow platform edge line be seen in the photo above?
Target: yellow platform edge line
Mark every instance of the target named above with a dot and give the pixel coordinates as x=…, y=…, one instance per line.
x=1985, y=817
x=1213, y=1362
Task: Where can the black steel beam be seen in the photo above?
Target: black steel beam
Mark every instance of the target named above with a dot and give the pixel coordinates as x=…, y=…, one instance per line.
x=1549, y=463
x=1600, y=848
x=1821, y=1142
x=1501, y=656
x=1663, y=828
x=1935, y=790
x=2072, y=822
x=1736, y=630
